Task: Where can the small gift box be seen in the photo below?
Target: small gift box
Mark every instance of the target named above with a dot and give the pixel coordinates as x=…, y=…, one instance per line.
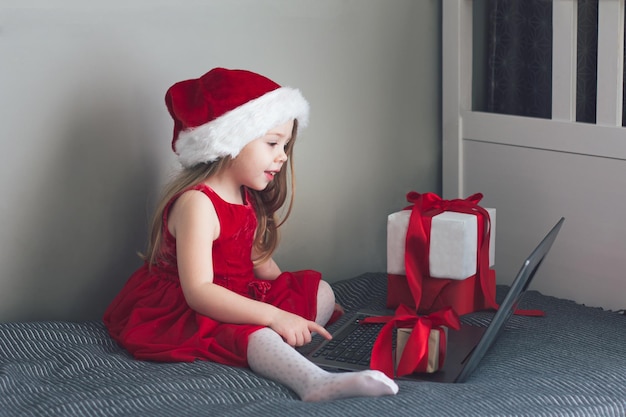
x=421, y=343
x=436, y=347
x=453, y=243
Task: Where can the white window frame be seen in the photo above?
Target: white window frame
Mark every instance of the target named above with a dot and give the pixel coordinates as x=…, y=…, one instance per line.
x=606, y=138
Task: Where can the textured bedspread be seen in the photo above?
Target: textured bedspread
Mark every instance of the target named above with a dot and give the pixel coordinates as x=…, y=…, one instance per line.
x=570, y=363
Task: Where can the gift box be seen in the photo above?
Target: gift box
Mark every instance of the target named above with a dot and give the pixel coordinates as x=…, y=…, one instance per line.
x=453, y=243
x=436, y=348
x=420, y=343
x=453, y=271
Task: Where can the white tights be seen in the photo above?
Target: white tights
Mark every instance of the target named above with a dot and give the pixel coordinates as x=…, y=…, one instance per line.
x=272, y=358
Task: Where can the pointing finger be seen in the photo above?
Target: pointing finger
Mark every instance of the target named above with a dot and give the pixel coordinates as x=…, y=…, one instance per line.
x=314, y=327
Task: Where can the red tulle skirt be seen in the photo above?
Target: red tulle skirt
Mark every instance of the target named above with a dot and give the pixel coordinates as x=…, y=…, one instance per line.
x=151, y=319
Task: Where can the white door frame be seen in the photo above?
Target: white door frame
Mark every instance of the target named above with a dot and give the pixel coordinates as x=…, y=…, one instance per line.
x=581, y=167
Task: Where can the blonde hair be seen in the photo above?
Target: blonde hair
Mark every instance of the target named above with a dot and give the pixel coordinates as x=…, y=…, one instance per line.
x=266, y=203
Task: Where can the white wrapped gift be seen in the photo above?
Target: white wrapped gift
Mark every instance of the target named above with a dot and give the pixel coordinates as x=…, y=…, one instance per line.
x=453, y=243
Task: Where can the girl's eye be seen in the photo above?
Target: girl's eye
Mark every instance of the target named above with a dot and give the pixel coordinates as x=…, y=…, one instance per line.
x=274, y=144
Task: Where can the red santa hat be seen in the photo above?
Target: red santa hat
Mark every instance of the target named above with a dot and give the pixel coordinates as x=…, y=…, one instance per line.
x=219, y=113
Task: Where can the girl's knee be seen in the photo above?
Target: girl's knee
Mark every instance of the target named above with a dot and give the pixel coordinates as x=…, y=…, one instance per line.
x=325, y=303
x=325, y=290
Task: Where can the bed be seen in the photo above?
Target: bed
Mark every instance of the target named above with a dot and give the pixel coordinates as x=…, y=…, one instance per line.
x=572, y=362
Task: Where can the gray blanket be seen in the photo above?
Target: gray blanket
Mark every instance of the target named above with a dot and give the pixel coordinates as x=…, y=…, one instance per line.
x=570, y=363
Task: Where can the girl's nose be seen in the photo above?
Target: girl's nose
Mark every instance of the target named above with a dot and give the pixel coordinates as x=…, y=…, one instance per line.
x=282, y=156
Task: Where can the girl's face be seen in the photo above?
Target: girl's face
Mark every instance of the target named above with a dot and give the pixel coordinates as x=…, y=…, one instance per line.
x=260, y=160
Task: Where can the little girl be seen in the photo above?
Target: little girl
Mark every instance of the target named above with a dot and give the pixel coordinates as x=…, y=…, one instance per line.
x=209, y=288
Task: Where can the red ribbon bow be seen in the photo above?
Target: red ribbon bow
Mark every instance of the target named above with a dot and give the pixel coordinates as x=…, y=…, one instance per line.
x=258, y=289
x=415, y=355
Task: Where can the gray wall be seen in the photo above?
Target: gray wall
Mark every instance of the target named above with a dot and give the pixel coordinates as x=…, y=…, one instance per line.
x=86, y=135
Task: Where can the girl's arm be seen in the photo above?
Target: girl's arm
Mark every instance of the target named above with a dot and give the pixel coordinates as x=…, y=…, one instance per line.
x=266, y=270
x=194, y=223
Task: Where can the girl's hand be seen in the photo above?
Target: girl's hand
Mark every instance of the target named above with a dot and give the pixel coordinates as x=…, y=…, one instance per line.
x=296, y=330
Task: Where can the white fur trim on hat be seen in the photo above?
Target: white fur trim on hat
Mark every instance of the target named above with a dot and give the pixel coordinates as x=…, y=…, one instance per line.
x=229, y=133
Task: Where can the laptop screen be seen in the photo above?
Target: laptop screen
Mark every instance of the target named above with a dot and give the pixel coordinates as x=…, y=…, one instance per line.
x=509, y=305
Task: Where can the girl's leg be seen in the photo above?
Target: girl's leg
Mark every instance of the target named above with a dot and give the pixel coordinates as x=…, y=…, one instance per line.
x=272, y=358
x=325, y=303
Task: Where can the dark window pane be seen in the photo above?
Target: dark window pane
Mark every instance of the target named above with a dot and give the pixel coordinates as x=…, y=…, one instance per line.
x=587, y=61
x=624, y=79
x=517, y=56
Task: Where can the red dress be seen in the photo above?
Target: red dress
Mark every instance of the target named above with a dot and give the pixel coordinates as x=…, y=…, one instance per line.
x=152, y=320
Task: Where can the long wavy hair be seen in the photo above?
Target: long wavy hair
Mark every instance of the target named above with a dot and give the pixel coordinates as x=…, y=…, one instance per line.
x=266, y=203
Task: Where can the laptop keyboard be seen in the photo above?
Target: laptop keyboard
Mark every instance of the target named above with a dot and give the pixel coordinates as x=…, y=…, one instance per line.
x=353, y=345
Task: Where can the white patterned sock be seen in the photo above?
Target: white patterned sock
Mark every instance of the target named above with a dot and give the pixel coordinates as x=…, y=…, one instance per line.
x=270, y=357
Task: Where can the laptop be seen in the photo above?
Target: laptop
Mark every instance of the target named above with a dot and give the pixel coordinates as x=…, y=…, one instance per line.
x=465, y=347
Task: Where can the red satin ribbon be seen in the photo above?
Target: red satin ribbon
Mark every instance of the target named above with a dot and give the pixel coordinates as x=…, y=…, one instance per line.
x=415, y=355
